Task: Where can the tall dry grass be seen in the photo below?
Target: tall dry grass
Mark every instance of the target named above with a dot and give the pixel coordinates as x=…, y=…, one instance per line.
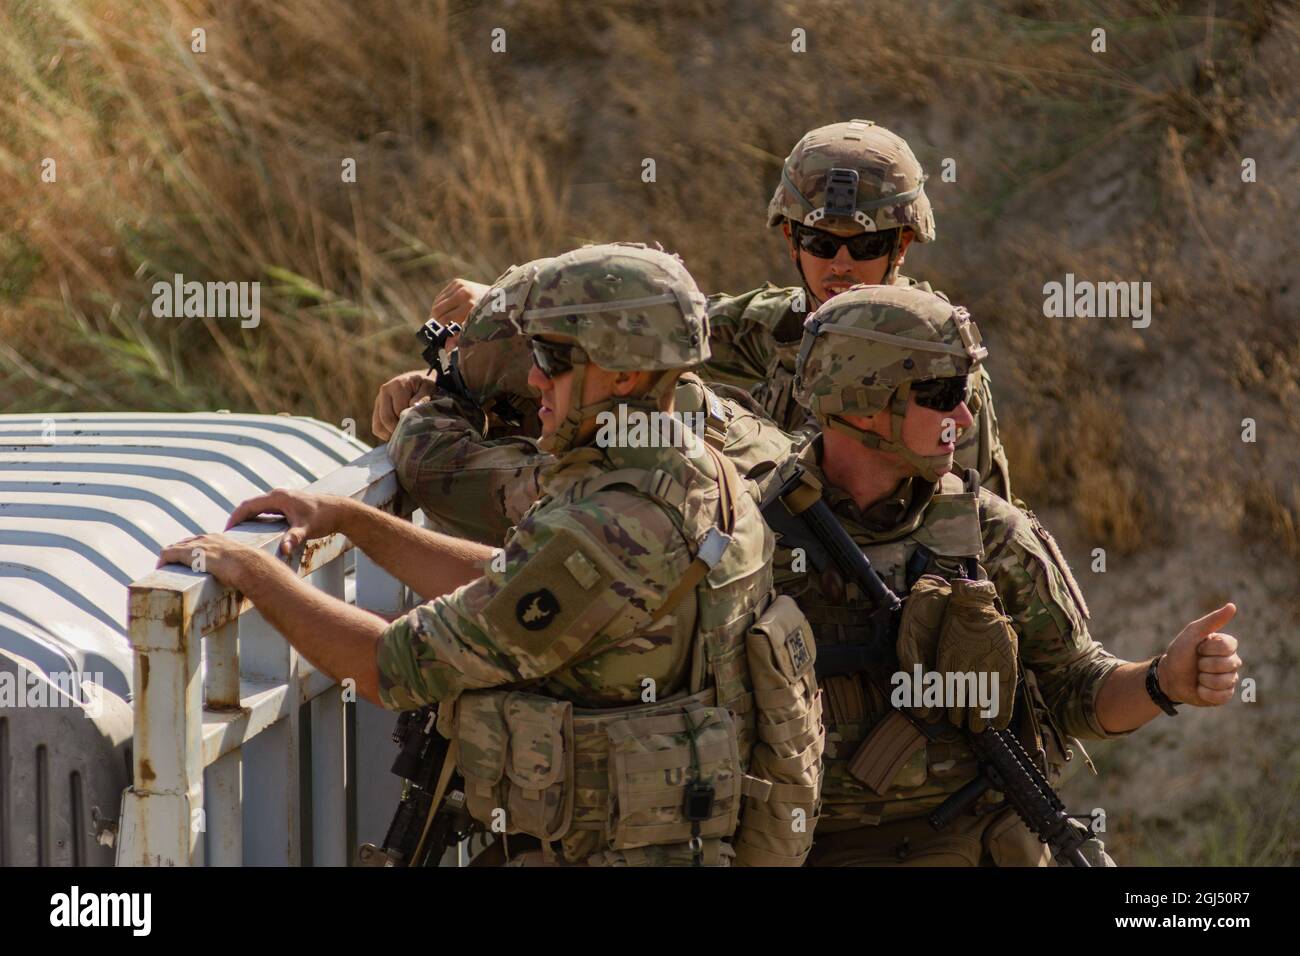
x=226, y=165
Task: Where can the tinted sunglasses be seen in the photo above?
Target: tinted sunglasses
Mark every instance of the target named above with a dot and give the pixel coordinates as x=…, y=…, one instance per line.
x=553, y=358
x=941, y=394
x=863, y=246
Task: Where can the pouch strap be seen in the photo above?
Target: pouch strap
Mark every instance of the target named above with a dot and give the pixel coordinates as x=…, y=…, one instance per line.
x=756, y=788
x=709, y=553
x=444, y=779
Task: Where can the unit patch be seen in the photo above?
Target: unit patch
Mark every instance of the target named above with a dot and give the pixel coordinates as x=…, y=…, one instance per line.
x=537, y=609
x=555, y=601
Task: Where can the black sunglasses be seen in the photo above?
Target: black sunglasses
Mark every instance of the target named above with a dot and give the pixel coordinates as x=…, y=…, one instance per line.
x=941, y=394
x=863, y=246
x=553, y=358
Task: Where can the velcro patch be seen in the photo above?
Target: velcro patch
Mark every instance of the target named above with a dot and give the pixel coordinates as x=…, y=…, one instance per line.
x=583, y=571
x=561, y=592
x=1054, y=550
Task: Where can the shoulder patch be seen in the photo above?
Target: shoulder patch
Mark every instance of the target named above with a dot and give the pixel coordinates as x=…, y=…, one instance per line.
x=555, y=602
x=1054, y=550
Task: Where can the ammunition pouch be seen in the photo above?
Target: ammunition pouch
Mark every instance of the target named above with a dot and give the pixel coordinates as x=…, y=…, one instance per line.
x=602, y=780
x=516, y=752
x=784, y=793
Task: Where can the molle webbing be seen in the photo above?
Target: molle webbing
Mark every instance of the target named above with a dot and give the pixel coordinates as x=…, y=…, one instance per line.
x=591, y=752
x=657, y=484
x=717, y=419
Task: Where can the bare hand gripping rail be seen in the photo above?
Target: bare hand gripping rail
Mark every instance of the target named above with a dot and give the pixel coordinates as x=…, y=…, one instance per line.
x=211, y=676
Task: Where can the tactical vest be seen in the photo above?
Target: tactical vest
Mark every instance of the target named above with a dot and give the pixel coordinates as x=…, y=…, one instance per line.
x=947, y=541
x=650, y=783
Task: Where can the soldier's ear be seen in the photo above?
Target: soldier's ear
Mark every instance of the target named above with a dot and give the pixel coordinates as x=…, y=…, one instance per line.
x=789, y=241
x=625, y=383
x=904, y=241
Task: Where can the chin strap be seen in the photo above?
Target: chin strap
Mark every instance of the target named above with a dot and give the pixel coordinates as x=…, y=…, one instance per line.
x=891, y=270
x=927, y=466
x=566, y=435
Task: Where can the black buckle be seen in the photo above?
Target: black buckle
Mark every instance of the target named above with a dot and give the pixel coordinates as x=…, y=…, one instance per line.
x=698, y=805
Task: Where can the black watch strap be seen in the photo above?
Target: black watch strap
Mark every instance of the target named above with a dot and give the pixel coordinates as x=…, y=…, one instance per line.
x=1153, y=689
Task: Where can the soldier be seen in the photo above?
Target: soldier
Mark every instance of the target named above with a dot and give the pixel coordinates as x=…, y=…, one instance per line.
x=850, y=201
x=988, y=599
x=474, y=473
x=596, y=682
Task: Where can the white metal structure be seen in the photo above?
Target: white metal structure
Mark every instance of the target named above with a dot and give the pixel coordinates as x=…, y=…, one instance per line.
x=234, y=749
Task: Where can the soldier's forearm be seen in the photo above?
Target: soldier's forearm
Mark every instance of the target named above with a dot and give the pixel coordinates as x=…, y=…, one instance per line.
x=427, y=562
x=335, y=636
x=1123, y=703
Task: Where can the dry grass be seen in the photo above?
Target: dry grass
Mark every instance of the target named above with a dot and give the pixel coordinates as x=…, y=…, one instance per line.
x=225, y=165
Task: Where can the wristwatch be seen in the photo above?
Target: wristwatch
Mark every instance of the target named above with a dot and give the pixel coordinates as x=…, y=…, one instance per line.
x=1153, y=689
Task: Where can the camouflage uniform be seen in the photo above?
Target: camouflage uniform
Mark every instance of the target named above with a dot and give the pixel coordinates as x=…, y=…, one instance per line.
x=1060, y=667
x=635, y=565
x=474, y=486
x=474, y=476
x=755, y=336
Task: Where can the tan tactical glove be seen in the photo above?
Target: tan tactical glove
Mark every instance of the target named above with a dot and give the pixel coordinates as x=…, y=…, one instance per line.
x=976, y=637
x=919, y=630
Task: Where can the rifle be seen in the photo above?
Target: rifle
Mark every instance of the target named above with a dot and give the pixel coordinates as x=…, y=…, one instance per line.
x=431, y=815
x=446, y=362
x=799, y=516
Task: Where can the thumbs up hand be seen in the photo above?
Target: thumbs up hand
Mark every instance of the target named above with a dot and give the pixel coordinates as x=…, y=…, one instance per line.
x=1201, y=665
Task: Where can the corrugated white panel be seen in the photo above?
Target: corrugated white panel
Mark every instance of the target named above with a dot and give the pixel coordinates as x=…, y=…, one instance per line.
x=86, y=501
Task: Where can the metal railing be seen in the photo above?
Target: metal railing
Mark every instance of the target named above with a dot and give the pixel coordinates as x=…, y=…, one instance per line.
x=243, y=752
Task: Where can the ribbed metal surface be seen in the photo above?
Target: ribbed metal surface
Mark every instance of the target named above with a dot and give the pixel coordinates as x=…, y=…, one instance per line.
x=86, y=501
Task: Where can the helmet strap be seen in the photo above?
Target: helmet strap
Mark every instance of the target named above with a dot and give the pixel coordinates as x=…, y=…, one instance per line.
x=926, y=465
x=891, y=270
x=566, y=435
x=814, y=302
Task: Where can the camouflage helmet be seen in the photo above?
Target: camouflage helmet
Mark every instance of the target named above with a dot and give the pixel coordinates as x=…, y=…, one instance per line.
x=628, y=307
x=492, y=356
x=854, y=172
x=863, y=349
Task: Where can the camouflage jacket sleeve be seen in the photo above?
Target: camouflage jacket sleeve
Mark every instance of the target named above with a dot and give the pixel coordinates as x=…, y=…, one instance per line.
x=571, y=604
x=467, y=485
x=744, y=350
x=1047, y=610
